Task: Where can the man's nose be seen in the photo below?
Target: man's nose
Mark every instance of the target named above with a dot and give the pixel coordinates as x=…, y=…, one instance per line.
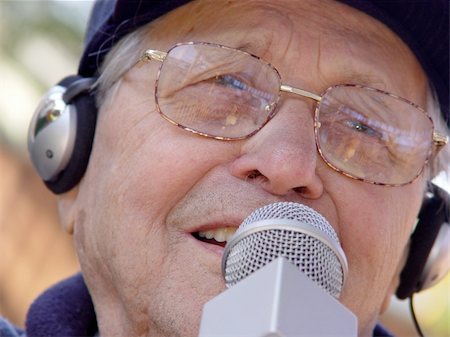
x=282, y=156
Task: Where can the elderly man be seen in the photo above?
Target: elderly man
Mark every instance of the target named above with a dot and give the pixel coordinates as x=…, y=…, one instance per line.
x=321, y=103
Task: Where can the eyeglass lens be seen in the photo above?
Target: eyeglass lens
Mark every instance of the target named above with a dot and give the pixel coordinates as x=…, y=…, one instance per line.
x=372, y=135
x=226, y=93
x=217, y=91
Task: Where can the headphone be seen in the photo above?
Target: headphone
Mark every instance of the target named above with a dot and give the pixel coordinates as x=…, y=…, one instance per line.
x=60, y=140
x=61, y=133
x=429, y=247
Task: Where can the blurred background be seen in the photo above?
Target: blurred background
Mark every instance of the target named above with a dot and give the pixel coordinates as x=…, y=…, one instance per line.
x=41, y=42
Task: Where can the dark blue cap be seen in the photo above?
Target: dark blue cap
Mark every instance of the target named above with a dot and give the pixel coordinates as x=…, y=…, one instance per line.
x=422, y=24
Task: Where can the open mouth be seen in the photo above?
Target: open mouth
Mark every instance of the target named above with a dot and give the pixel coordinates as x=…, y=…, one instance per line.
x=218, y=237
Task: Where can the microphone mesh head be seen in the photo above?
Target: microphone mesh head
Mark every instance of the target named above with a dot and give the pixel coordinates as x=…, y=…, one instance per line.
x=289, y=230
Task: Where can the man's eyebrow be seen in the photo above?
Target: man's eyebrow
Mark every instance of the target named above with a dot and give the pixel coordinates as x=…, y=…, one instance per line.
x=257, y=47
x=247, y=47
x=363, y=79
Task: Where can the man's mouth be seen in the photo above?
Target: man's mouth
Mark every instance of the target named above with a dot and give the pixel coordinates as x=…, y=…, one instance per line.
x=218, y=236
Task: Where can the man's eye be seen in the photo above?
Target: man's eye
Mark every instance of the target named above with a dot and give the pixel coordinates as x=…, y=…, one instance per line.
x=362, y=128
x=231, y=81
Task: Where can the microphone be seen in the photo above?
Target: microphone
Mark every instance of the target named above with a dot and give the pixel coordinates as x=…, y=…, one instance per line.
x=284, y=269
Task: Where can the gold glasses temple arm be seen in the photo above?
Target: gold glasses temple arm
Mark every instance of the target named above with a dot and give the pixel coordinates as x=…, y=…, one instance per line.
x=151, y=54
x=301, y=92
x=439, y=140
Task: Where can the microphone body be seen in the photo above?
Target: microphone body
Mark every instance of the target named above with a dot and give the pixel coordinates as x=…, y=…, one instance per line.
x=276, y=301
x=285, y=270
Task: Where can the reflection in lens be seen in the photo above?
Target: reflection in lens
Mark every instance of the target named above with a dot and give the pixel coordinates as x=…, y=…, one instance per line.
x=372, y=135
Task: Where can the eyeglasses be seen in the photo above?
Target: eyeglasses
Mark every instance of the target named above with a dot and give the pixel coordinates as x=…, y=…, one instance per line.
x=228, y=94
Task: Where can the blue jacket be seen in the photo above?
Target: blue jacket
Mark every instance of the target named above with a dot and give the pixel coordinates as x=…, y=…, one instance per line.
x=66, y=309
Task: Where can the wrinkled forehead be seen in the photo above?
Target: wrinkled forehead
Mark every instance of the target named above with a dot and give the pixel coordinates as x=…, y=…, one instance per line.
x=287, y=31
x=271, y=19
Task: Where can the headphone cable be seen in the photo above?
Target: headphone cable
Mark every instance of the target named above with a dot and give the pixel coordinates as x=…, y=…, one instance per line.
x=414, y=318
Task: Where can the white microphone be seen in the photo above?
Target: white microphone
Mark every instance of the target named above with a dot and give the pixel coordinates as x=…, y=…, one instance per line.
x=285, y=270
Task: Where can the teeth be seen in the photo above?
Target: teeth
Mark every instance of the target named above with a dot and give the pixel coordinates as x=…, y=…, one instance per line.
x=220, y=234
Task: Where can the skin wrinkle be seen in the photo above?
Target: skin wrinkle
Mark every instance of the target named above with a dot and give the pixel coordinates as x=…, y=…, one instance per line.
x=152, y=189
x=88, y=268
x=108, y=292
x=287, y=24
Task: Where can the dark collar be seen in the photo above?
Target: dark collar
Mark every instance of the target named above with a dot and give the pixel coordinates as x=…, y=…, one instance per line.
x=66, y=309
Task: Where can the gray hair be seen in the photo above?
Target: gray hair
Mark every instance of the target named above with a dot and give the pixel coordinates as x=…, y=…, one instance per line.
x=119, y=61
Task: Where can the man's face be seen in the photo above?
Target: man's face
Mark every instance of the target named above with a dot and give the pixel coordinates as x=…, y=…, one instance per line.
x=151, y=186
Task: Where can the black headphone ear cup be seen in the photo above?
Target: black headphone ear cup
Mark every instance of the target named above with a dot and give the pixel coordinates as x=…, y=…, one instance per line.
x=85, y=109
x=433, y=215
x=420, y=246
x=61, y=133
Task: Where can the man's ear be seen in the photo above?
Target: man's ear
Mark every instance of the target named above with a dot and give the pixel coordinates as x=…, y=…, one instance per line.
x=68, y=209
